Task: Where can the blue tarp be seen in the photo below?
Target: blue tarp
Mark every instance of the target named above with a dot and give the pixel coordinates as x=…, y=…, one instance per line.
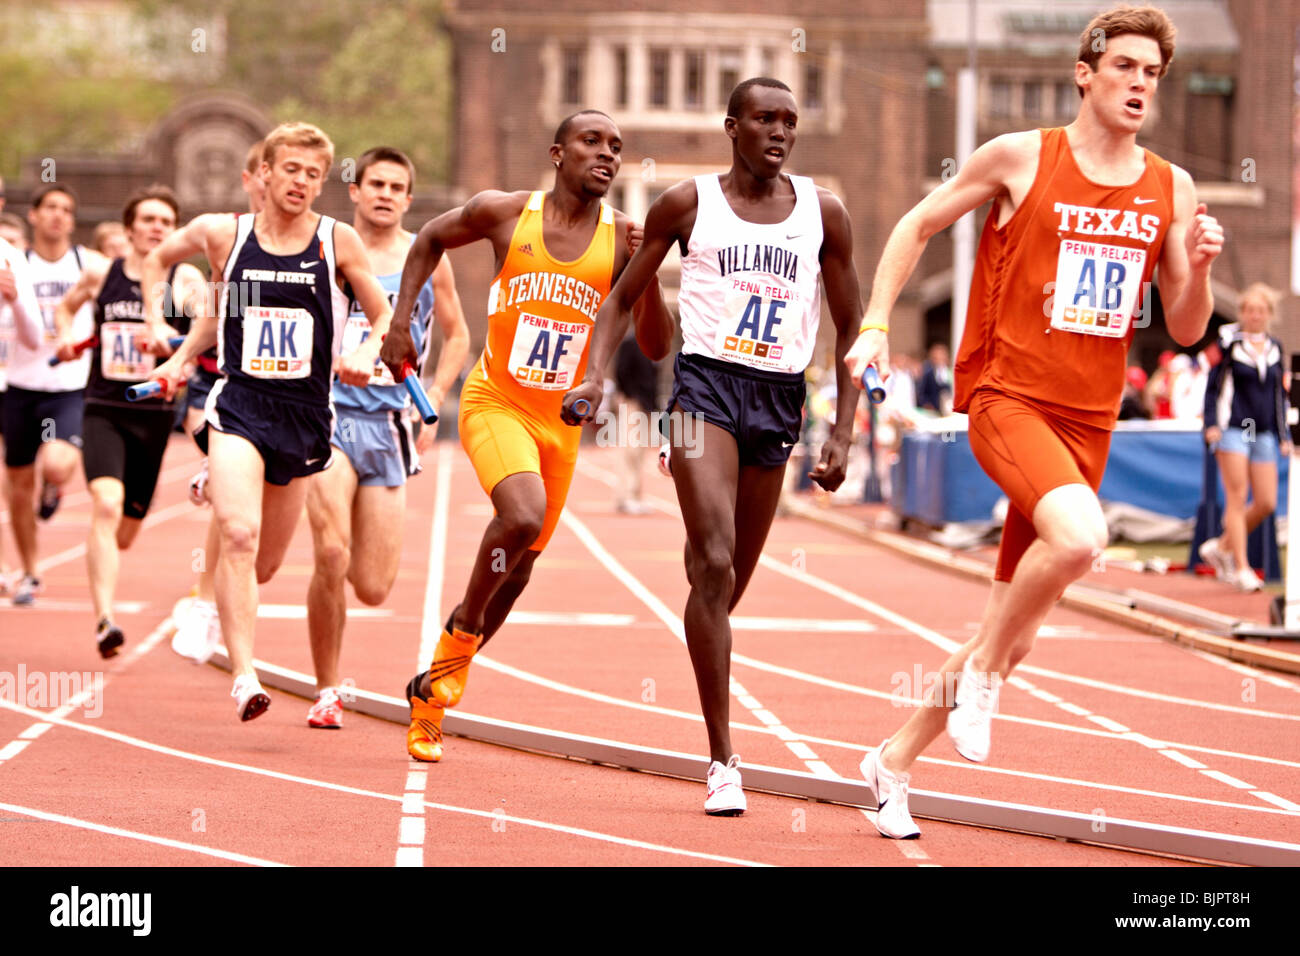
x=938, y=481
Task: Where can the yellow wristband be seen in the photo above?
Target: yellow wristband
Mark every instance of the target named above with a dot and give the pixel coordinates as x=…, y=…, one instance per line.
x=871, y=325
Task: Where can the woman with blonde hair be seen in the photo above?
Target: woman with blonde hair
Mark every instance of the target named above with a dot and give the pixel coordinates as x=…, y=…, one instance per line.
x=1245, y=424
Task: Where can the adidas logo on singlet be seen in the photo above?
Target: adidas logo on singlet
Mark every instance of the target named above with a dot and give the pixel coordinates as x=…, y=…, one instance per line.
x=526, y=248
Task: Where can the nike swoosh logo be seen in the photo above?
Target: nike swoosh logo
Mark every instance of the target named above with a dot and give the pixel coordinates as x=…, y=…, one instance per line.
x=313, y=461
x=795, y=236
x=1141, y=202
x=309, y=264
x=787, y=444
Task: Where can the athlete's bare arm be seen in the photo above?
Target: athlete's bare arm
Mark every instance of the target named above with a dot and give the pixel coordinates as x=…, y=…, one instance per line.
x=1003, y=167
x=87, y=287
x=353, y=262
x=844, y=300
x=1192, y=243
x=670, y=219
x=450, y=319
x=654, y=323
x=16, y=289
x=195, y=238
x=490, y=214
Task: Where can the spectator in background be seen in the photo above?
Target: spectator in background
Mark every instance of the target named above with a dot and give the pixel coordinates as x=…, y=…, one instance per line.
x=1131, y=404
x=1245, y=423
x=13, y=231
x=1157, y=393
x=637, y=382
x=1186, y=387
x=109, y=240
x=934, y=389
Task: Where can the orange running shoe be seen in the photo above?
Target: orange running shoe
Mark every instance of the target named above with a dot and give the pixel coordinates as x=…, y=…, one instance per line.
x=449, y=671
x=424, y=736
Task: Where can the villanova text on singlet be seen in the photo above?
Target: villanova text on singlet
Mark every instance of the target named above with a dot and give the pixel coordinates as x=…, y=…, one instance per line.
x=749, y=291
x=1057, y=291
x=541, y=311
x=30, y=368
x=116, y=363
x=383, y=393
x=282, y=321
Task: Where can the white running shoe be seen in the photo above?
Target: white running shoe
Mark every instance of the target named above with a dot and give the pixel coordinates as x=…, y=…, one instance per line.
x=970, y=722
x=890, y=791
x=1212, y=553
x=193, y=637
x=1247, y=580
x=199, y=485
x=725, y=798
x=251, y=700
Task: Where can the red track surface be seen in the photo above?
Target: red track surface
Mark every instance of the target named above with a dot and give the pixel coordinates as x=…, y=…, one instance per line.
x=167, y=759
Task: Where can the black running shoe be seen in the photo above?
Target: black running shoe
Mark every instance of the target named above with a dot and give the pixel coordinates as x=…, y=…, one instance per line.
x=51, y=495
x=110, y=638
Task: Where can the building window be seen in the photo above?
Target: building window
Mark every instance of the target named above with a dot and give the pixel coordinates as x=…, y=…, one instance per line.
x=694, y=92
x=767, y=62
x=620, y=76
x=813, y=98
x=729, y=64
x=573, y=61
x=1032, y=104
x=659, y=78
x=1000, y=98
x=1067, y=100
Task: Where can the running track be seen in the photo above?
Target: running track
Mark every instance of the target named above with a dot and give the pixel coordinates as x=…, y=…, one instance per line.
x=158, y=771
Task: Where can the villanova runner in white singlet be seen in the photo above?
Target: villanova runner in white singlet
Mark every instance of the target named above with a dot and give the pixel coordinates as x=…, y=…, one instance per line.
x=754, y=241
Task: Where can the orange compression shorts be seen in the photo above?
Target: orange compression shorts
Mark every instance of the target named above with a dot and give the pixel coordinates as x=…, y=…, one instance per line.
x=502, y=439
x=1028, y=450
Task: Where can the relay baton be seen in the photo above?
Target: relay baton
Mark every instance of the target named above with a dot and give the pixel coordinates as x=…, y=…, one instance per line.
x=871, y=384
x=412, y=383
x=173, y=343
x=584, y=410
x=79, y=347
x=144, y=390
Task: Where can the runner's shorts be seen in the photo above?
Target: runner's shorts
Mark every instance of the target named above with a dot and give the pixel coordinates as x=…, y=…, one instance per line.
x=503, y=439
x=763, y=411
x=126, y=444
x=198, y=387
x=379, y=445
x=1028, y=450
x=292, y=437
x=32, y=417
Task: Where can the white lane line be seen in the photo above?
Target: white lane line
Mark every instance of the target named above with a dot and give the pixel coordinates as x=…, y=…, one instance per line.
x=523, y=675
x=1109, y=724
x=298, y=612
x=1231, y=781
x=908, y=848
x=1251, y=672
x=410, y=850
x=34, y=731
x=673, y=622
x=372, y=794
x=1273, y=798
x=1183, y=759
x=13, y=749
x=132, y=835
x=570, y=619
x=79, y=550
x=927, y=634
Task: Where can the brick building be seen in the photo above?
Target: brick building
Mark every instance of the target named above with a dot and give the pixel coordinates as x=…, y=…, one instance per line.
x=875, y=82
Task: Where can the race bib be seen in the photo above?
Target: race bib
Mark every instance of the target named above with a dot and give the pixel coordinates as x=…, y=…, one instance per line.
x=1097, y=288
x=119, y=359
x=355, y=331
x=758, y=326
x=277, y=342
x=546, y=353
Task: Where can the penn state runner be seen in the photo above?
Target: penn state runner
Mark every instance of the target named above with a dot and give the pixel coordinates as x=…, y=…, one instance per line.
x=269, y=420
x=356, y=506
x=755, y=241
